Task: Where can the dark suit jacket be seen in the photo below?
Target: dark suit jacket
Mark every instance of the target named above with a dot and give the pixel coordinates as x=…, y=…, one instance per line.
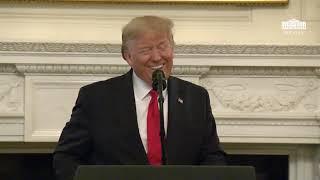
x=103, y=127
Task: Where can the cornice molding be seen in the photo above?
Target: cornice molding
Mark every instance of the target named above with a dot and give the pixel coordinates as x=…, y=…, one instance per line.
x=177, y=70
x=270, y=122
x=34, y=47
x=265, y=71
x=24, y=47
x=98, y=69
x=7, y=68
x=249, y=49
x=317, y=71
x=191, y=70
x=72, y=68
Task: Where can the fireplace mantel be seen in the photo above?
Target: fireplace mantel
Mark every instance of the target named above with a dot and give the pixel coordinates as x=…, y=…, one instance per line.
x=260, y=94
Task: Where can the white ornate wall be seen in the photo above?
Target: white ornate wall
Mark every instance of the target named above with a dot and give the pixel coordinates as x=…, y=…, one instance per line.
x=265, y=98
x=263, y=81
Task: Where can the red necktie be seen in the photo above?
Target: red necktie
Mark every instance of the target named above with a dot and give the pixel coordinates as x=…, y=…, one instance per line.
x=153, y=130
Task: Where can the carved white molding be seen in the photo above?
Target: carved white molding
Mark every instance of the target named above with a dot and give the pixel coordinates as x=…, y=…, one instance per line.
x=11, y=95
x=7, y=68
x=271, y=95
x=270, y=122
x=317, y=71
x=177, y=69
x=249, y=49
x=265, y=71
x=61, y=92
x=59, y=47
x=179, y=49
x=190, y=70
x=71, y=69
x=98, y=69
x=11, y=131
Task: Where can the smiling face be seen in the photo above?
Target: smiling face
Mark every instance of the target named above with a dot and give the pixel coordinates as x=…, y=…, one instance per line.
x=149, y=51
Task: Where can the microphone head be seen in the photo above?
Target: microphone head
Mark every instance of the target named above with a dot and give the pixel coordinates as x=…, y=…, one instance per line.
x=158, y=78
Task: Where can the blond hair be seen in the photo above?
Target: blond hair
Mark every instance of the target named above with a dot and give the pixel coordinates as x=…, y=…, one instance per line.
x=140, y=25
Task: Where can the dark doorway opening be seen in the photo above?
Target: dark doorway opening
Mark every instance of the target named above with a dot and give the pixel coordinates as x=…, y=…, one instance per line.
x=275, y=167
x=26, y=166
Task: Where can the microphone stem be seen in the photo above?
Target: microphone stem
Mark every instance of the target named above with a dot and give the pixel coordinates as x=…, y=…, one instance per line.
x=162, y=130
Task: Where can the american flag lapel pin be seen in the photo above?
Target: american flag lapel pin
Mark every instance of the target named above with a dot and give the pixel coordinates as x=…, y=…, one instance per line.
x=180, y=100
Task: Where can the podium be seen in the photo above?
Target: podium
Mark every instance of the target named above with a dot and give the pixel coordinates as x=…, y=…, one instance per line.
x=168, y=172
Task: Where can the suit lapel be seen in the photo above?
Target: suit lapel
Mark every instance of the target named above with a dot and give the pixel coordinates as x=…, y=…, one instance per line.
x=176, y=115
x=129, y=118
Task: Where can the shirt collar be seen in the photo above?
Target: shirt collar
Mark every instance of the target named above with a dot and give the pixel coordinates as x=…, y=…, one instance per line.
x=141, y=88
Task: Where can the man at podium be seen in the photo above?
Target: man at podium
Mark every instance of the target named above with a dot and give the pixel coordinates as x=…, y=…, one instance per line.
x=118, y=122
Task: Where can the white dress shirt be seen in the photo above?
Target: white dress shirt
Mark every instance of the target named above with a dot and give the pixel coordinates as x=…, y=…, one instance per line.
x=142, y=98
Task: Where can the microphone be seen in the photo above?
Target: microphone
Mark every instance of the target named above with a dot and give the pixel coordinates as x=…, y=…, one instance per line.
x=159, y=84
x=158, y=80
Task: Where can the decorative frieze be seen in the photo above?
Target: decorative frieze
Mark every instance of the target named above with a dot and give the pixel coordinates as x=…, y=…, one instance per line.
x=264, y=71
x=239, y=94
x=191, y=70
x=179, y=49
x=11, y=95
x=99, y=69
x=72, y=68
x=59, y=47
x=7, y=68
x=317, y=71
x=270, y=122
x=177, y=69
x=248, y=49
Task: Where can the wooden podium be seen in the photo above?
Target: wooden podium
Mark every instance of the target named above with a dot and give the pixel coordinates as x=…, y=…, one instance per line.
x=168, y=172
